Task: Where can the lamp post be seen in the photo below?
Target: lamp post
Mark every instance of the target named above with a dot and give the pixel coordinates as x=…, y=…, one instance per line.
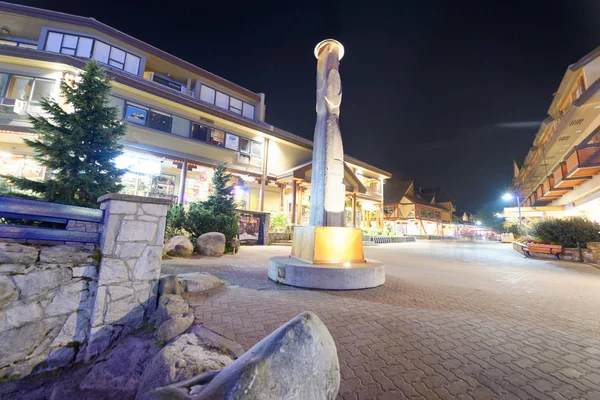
x=509, y=197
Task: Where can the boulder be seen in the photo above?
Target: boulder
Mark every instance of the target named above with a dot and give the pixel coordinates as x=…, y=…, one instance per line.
x=297, y=361
x=170, y=306
x=173, y=327
x=15, y=253
x=179, y=246
x=211, y=244
x=180, y=360
x=197, y=282
x=65, y=255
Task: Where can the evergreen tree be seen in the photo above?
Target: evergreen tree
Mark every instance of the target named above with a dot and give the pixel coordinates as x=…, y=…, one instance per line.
x=79, y=145
x=222, y=200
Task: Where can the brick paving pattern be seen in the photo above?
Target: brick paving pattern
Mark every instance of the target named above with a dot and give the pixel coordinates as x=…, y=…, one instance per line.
x=454, y=320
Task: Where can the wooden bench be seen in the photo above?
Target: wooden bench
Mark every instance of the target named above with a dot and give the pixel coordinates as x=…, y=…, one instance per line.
x=34, y=210
x=542, y=249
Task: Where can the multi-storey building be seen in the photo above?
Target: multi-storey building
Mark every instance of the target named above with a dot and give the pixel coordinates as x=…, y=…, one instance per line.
x=559, y=176
x=181, y=119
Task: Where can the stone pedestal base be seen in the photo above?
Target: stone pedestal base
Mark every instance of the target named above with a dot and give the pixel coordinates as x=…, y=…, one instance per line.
x=342, y=276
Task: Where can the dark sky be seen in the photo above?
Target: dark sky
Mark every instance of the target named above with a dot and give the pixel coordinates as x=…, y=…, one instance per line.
x=447, y=92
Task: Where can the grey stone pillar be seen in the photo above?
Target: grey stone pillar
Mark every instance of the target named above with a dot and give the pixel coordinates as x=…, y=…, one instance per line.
x=131, y=251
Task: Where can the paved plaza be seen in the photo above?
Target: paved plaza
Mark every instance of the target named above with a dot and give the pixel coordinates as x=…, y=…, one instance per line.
x=453, y=320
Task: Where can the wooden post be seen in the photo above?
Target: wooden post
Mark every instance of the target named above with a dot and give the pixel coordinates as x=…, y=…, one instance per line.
x=293, y=219
x=354, y=210
x=300, y=195
x=281, y=190
x=182, y=177
x=263, y=180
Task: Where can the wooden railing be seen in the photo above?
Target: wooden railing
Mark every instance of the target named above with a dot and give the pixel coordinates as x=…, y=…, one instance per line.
x=34, y=210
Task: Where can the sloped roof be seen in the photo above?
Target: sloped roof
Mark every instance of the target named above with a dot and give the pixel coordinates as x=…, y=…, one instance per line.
x=441, y=196
x=393, y=190
x=421, y=201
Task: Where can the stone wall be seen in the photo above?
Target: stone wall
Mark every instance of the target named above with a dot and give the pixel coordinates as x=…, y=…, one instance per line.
x=62, y=304
x=45, y=299
x=131, y=248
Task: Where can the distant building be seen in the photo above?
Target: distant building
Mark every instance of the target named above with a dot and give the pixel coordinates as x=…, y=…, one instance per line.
x=559, y=176
x=412, y=213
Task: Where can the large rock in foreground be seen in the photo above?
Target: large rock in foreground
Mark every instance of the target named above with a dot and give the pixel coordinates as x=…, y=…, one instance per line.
x=298, y=361
x=211, y=244
x=179, y=246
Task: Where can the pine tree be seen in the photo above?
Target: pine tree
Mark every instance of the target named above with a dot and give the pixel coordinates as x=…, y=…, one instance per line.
x=222, y=200
x=78, y=146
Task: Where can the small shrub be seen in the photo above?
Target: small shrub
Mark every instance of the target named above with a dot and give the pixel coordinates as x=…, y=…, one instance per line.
x=566, y=231
x=279, y=222
x=176, y=220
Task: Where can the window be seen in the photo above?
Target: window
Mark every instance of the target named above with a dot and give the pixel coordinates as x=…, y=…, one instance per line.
x=244, y=146
x=42, y=90
x=19, y=88
x=217, y=137
x=256, y=149
x=101, y=52
x=137, y=115
x=222, y=100
x=207, y=94
x=200, y=132
x=132, y=64
x=86, y=47
x=181, y=126
x=117, y=58
x=3, y=82
x=169, y=83
x=248, y=111
x=159, y=121
x=235, y=105
x=118, y=103
x=231, y=141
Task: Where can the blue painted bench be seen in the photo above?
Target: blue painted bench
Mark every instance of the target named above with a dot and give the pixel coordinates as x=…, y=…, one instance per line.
x=35, y=210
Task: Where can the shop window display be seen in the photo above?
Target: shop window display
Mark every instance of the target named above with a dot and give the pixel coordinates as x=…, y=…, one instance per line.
x=21, y=166
x=198, y=184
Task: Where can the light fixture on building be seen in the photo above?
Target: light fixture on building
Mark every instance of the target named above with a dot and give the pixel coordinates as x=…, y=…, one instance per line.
x=5, y=31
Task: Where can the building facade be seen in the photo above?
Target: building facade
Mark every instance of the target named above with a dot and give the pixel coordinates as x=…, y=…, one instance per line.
x=559, y=176
x=181, y=120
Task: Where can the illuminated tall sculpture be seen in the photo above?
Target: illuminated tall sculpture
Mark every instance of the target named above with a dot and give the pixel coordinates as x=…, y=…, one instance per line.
x=327, y=197
x=326, y=254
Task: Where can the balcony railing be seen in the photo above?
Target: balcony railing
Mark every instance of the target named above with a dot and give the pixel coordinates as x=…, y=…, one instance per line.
x=550, y=191
x=583, y=161
x=562, y=182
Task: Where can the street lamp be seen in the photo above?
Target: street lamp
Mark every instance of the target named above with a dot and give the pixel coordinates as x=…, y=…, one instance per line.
x=509, y=197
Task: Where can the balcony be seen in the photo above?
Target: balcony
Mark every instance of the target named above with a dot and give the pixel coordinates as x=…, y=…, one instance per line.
x=550, y=191
x=562, y=182
x=584, y=162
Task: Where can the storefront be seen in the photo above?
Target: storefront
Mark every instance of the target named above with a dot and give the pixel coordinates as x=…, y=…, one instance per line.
x=21, y=165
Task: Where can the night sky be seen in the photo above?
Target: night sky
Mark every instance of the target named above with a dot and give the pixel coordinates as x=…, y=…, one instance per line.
x=445, y=92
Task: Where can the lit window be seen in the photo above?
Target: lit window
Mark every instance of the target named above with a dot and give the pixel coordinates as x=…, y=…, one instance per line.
x=217, y=137
x=245, y=146
x=42, y=90
x=117, y=58
x=19, y=88
x=231, y=141
x=256, y=149
x=181, y=126
x=136, y=115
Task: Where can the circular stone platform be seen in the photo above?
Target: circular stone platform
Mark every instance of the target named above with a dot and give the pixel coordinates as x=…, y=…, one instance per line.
x=293, y=272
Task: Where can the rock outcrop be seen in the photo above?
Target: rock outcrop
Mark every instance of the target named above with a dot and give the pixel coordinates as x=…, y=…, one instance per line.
x=211, y=244
x=297, y=361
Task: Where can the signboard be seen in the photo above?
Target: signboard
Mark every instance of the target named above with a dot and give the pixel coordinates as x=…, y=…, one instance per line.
x=248, y=229
x=231, y=141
